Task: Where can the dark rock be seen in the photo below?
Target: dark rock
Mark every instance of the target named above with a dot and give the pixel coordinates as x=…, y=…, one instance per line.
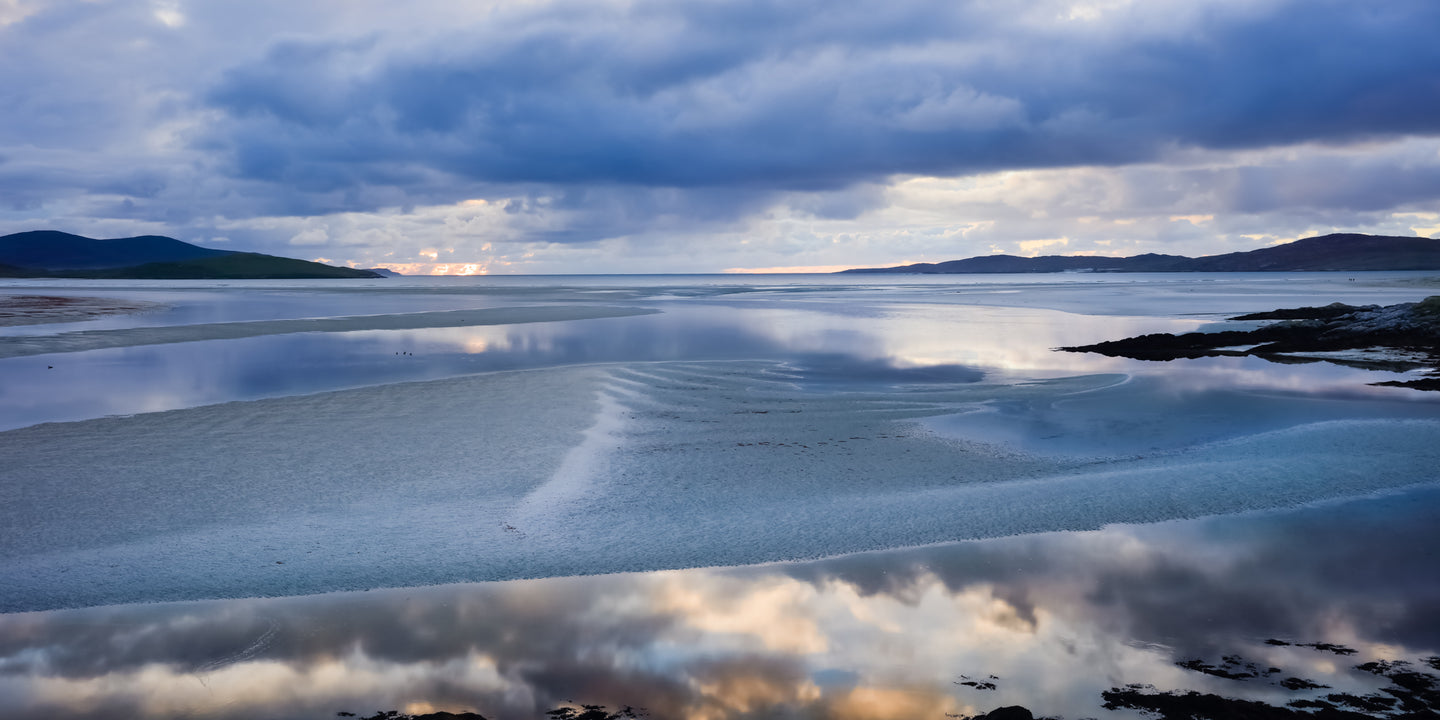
x=1295, y=683
x=1368, y=703
x=1330, y=648
x=1410, y=327
x=595, y=712
x=1009, y=712
x=1329, y=312
x=1227, y=671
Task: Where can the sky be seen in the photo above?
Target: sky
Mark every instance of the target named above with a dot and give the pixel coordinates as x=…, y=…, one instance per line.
x=598, y=136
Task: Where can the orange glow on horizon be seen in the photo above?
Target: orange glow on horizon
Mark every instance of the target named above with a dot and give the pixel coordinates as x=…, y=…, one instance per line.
x=792, y=269
x=435, y=268
x=459, y=269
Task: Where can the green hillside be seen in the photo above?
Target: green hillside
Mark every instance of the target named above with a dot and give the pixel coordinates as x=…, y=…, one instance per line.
x=50, y=253
x=238, y=266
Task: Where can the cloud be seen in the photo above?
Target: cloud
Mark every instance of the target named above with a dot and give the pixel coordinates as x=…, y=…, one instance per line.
x=692, y=134
x=786, y=96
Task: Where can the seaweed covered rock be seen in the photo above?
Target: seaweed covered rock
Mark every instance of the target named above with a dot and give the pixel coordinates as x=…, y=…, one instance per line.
x=1371, y=335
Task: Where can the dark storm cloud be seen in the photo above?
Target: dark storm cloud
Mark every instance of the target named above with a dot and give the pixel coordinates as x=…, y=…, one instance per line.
x=654, y=124
x=820, y=96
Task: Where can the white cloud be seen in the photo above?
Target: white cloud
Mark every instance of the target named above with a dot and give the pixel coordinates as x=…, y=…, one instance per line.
x=312, y=236
x=13, y=11
x=169, y=14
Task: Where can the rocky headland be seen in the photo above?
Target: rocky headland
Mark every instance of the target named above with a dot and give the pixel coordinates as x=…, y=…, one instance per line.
x=1398, y=337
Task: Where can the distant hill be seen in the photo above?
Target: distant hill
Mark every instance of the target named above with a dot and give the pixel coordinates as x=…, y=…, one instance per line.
x=49, y=253
x=1336, y=252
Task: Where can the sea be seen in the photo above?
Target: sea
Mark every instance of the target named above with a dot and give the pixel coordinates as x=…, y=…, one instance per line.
x=707, y=497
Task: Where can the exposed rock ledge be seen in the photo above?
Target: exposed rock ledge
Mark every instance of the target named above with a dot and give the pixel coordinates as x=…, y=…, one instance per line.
x=1393, y=337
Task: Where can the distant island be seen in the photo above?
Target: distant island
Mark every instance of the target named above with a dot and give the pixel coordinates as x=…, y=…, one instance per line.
x=54, y=254
x=1337, y=252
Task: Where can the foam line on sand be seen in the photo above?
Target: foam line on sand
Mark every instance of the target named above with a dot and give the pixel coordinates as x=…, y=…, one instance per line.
x=582, y=467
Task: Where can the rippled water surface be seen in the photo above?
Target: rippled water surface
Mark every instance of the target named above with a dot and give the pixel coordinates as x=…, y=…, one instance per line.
x=710, y=497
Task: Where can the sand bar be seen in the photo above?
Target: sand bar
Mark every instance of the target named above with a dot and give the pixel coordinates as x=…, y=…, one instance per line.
x=129, y=337
x=602, y=469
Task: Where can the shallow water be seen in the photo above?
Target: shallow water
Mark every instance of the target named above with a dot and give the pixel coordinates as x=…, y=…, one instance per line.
x=1050, y=621
x=1003, y=328
x=707, y=422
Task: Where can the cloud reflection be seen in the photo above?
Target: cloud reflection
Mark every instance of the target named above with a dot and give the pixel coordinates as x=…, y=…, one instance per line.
x=1056, y=618
x=914, y=326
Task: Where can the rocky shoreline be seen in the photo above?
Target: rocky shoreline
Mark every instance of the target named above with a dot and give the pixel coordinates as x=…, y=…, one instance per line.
x=1400, y=337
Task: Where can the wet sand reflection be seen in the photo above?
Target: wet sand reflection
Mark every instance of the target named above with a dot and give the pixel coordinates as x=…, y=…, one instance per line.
x=1045, y=621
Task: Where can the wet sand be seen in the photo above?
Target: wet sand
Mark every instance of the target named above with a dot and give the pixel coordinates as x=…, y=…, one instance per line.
x=130, y=337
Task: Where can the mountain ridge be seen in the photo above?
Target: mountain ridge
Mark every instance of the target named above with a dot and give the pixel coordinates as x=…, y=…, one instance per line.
x=1323, y=253
x=52, y=253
